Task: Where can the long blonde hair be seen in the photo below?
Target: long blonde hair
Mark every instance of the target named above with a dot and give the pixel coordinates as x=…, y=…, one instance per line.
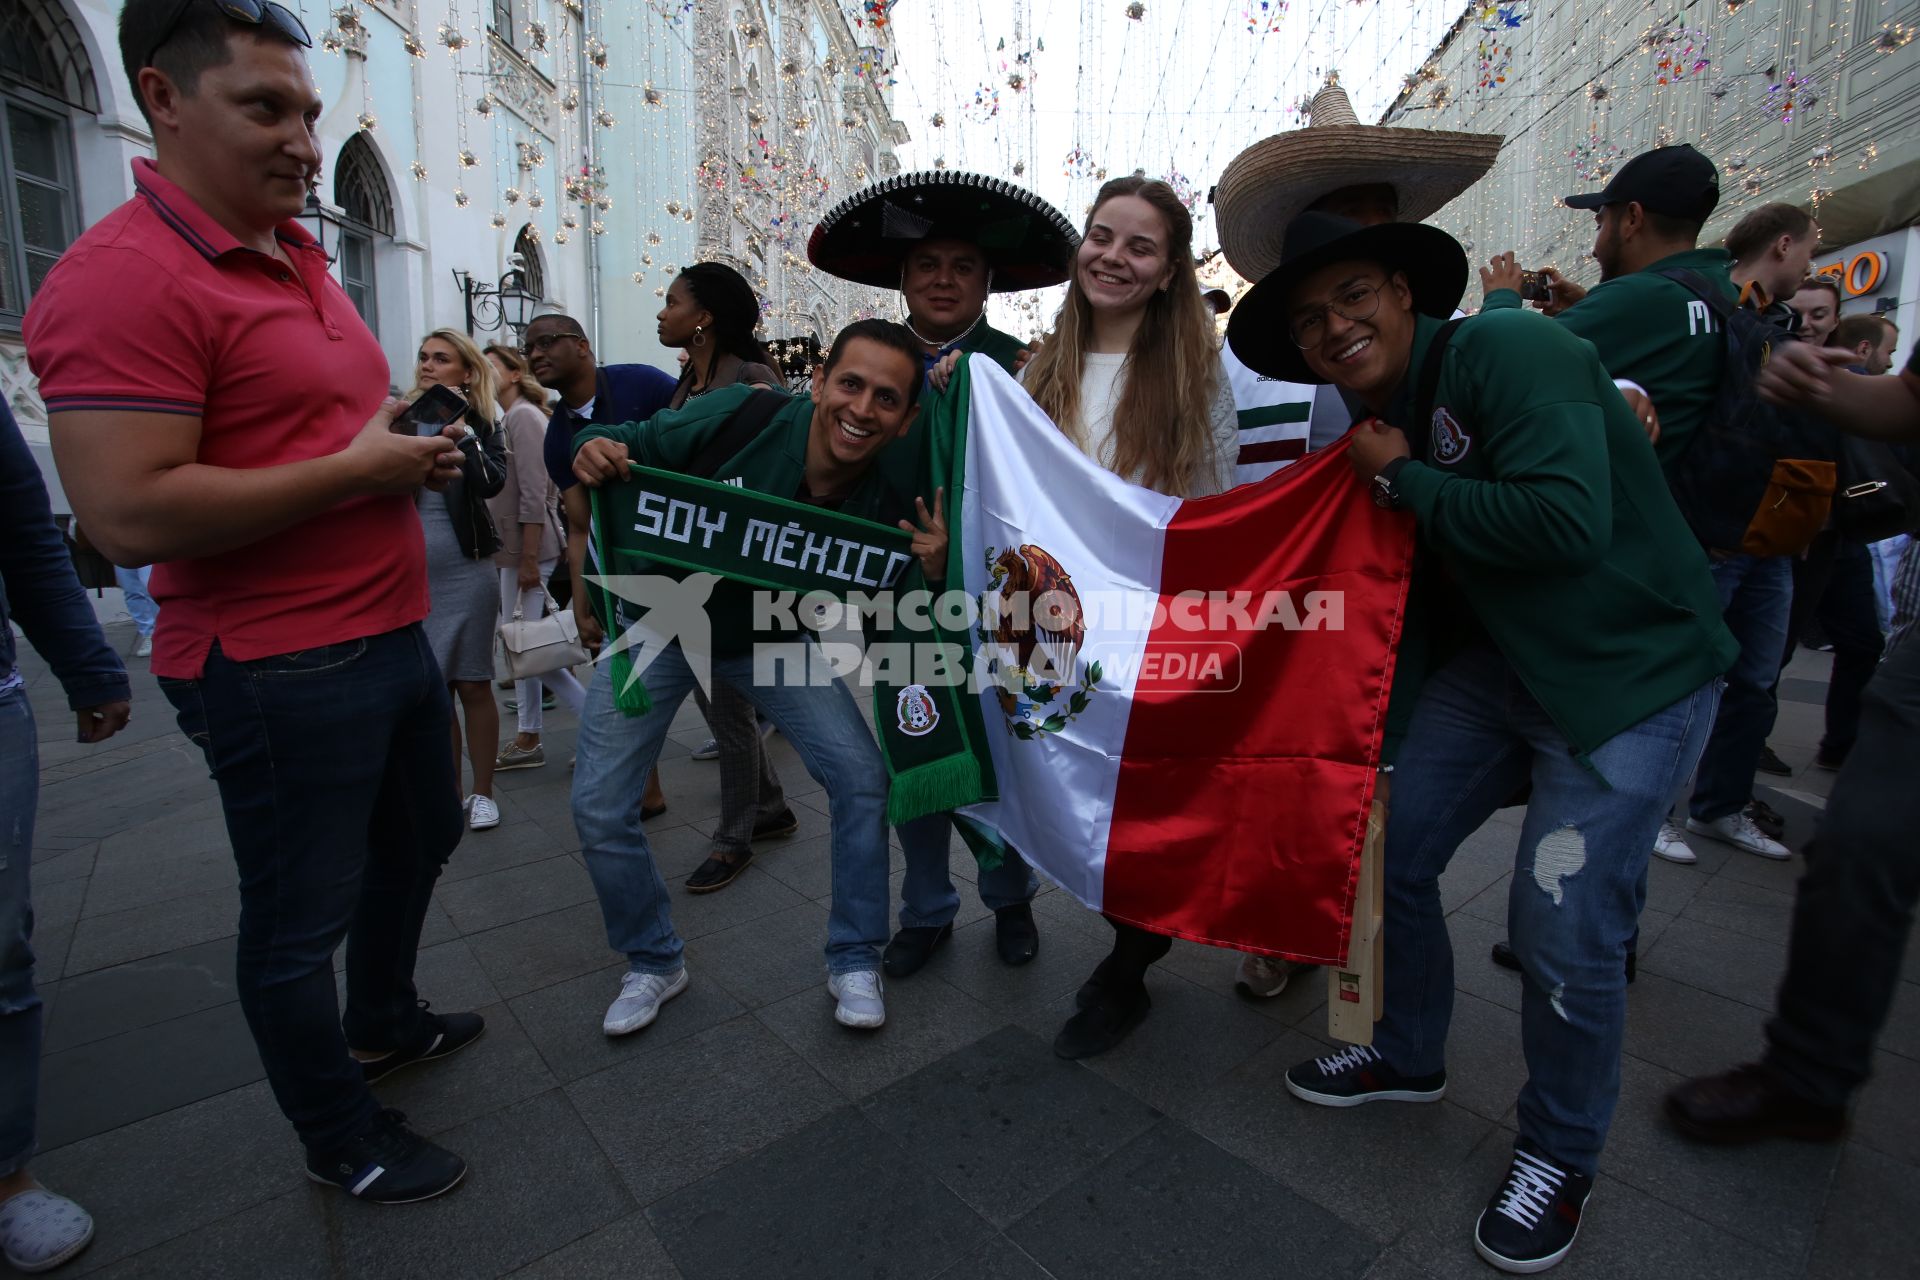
x=1163, y=420
x=530, y=389
x=481, y=403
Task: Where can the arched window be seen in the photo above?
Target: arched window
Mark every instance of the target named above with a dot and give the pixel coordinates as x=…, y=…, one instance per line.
x=366, y=207
x=45, y=76
x=533, y=273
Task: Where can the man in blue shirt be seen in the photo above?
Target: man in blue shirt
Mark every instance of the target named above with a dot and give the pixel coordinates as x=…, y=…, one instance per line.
x=38, y=1230
x=560, y=356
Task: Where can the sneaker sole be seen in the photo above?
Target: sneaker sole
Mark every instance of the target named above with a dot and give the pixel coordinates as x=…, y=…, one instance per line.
x=1353, y=1100
x=425, y=1057
x=1246, y=991
x=668, y=994
x=501, y=766
x=779, y=833
x=65, y=1256
x=329, y=1182
x=1711, y=834
x=1519, y=1266
x=859, y=1022
x=1686, y=859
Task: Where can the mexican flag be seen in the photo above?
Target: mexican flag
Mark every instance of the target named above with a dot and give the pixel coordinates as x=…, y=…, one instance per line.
x=1175, y=705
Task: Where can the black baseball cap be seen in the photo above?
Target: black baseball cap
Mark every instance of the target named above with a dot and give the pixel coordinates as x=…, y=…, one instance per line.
x=1677, y=181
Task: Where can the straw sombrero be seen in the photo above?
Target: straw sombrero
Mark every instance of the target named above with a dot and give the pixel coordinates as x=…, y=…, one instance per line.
x=866, y=237
x=1274, y=180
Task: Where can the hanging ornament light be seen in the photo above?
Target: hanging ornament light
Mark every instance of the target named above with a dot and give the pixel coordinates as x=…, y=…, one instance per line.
x=511, y=195
x=939, y=120
x=789, y=69
x=1019, y=168
x=1753, y=183
x=569, y=221
x=1821, y=157
x=598, y=227
x=652, y=96
x=1892, y=38
x=331, y=41
x=537, y=36
x=604, y=118
x=483, y=105
x=367, y=121
x=570, y=101
x=410, y=41
x=535, y=200
x=418, y=171
x=673, y=208
x=453, y=37
x=1868, y=155
x=596, y=51
x=1136, y=10
x=640, y=277
x=561, y=237
x=498, y=219
x=460, y=198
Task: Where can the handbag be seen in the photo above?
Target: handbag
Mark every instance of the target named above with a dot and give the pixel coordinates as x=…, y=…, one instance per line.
x=1876, y=497
x=524, y=648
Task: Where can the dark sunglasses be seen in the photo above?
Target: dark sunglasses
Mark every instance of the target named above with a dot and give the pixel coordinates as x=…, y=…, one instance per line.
x=255, y=13
x=534, y=346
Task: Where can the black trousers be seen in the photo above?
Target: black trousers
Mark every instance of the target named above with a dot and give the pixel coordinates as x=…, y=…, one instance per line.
x=1855, y=907
x=1833, y=584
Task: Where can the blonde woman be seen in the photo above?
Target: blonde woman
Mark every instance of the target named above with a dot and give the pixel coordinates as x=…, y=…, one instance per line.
x=461, y=580
x=1132, y=374
x=526, y=512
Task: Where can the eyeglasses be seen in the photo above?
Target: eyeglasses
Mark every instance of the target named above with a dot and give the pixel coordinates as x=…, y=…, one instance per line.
x=255, y=13
x=1358, y=302
x=533, y=346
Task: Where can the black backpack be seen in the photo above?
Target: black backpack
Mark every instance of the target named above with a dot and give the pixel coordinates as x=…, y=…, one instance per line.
x=1755, y=478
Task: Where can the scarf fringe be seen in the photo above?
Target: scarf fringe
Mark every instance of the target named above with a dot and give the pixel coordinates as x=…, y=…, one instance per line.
x=934, y=787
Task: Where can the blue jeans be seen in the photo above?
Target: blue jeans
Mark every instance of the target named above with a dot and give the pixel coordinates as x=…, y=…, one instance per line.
x=341, y=804
x=1579, y=880
x=928, y=899
x=140, y=606
x=1756, y=598
x=19, y=1002
x=834, y=742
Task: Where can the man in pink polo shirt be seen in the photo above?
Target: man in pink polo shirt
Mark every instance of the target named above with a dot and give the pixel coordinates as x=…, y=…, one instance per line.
x=217, y=408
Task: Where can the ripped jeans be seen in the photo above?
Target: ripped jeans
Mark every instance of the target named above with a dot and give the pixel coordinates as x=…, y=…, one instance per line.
x=1579, y=881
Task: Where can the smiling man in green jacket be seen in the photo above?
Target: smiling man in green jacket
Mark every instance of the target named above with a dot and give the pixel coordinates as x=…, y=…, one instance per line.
x=1575, y=647
x=820, y=451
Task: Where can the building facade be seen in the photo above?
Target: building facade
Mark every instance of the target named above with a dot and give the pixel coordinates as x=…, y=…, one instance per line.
x=1811, y=102
x=553, y=143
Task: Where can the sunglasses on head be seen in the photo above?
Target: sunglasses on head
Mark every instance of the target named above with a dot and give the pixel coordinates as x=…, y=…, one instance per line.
x=255, y=13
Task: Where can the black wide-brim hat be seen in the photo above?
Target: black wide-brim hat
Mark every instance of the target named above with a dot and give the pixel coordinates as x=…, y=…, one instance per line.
x=865, y=238
x=1434, y=263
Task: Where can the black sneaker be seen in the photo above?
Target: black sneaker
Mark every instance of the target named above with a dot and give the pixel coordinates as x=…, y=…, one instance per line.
x=436, y=1036
x=1532, y=1219
x=1773, y=764
x=1357, y=1074
x=388, y=1163
x=1766, y=817
x=780, y=824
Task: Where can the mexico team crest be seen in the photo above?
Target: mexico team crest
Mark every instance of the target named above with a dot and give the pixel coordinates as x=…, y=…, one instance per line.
x=1450, y=443
x=915, y=711
x=1032, y=627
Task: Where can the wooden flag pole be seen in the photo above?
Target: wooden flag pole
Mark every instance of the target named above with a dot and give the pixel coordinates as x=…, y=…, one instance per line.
x=1354, y=993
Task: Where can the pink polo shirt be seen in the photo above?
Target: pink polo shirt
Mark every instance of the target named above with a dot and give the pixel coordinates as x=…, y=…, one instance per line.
x=157, y=309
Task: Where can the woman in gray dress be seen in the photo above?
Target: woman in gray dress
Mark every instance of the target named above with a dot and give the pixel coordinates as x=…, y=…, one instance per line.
x=461, y=541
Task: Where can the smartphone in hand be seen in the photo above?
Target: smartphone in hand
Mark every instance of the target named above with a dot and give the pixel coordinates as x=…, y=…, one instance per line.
x=1535, y=287
x=434, y=409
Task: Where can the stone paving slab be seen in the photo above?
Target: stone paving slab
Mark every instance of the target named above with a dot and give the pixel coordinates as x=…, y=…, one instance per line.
x=746, y=1134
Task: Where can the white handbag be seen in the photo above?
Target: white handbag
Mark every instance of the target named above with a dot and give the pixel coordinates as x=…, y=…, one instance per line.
x=525, y=648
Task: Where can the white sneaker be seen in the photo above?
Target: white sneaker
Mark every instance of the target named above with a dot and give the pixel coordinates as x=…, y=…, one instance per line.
x=859, y=997
x=1737, y=829
x=640, y=998
x=1672, y=845
x=40, y=1230
x=482, y=813
x=1261, y=977
x=145, y=648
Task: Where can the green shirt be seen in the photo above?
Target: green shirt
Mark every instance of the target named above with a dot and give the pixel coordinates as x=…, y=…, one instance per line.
x=773, y=462
x=1553, y=531
x=1653, y=331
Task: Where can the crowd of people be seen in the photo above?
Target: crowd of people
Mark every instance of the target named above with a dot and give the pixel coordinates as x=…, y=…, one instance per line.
x=1580, y=635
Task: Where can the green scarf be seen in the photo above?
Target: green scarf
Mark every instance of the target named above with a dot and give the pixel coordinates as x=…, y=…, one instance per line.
x=663, y=518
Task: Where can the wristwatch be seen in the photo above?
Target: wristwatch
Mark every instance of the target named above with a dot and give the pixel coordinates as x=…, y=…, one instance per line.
x=1385, y=496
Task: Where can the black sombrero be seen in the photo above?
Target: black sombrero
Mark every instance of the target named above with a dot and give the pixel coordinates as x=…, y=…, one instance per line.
x=1434, y=263
x=865, y=237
